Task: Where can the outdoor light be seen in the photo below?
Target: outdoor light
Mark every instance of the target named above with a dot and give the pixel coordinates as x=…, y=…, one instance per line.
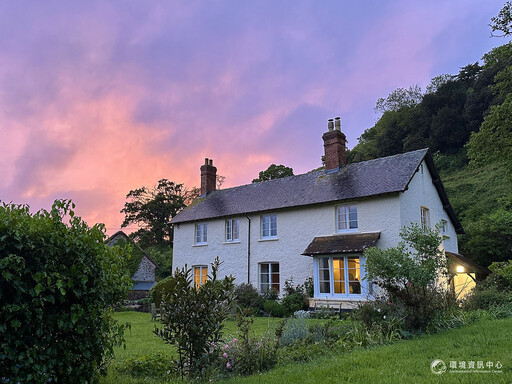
x=460, y=268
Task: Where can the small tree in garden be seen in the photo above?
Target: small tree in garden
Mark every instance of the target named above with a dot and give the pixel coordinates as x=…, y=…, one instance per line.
x=409, y=273
x=195, y=318
x=58, y=282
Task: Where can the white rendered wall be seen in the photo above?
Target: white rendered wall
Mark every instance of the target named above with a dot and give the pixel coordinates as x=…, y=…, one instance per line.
x=295, y=230
x=422, y=192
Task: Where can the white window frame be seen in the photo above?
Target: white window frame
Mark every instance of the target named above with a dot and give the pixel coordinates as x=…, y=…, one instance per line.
x=424, y=218
x=269, y=221
x=344, y=212
x=269, y=284
x=364, y=294
x=203, y=274
x=444, y=227
x=201, y=234
x=232, y=231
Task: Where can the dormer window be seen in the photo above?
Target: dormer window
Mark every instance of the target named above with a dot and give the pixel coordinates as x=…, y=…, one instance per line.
x=346, y=218
x=201, y=236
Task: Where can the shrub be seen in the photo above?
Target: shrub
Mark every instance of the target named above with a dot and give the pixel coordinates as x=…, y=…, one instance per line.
x=294, y=302
x=195, y=319
x=486, y=299
x=302, y=351
x=245, y=355
x=59, y=281
x=248, y=297
x=159, y=290
x=294, y=331
x=271, y=294
x=273, y=308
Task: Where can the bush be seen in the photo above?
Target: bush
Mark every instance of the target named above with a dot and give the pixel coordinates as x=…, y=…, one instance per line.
x=58, y=284
x=159, y=290
x=486, y=299
x=245, y=355
x=195, y=319
x=248, y=297
x=295, y=330
x=273, y=308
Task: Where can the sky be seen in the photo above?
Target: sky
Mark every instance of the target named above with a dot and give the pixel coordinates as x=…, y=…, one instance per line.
x=101, y=97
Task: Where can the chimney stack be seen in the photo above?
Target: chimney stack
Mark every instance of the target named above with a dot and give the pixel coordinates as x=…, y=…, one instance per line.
x=334, y=146
x=208, y=177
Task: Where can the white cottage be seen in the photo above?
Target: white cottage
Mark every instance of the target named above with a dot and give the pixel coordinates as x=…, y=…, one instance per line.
x=316, y=224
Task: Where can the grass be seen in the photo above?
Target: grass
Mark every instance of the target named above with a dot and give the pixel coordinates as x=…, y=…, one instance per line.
x=404, y=361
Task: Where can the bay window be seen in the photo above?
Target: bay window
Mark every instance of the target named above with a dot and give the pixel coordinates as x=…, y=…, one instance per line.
x=338, y=275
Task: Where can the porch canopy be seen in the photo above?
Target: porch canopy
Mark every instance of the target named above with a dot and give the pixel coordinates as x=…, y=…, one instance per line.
x=468, y=266
x=346, y=243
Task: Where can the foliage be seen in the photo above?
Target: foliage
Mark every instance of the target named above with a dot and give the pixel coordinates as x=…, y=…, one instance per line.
x=195, y=318
x=162, y=255
x=295, y=297
x=147, y=366
x=309, y=287
x=246, y=355
x=493, y=143
x=408, y=275
x=274, y=172
x=271, y=294
x=273, y=308
x=503, y=22
x=503, y=269
x=153, y=209
x=294, y=330
x=134, y=255
x=400, y=98
x=58, y=282
x=248, y=298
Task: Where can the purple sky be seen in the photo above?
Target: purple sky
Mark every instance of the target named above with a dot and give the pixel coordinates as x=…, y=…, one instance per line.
x=97, y=98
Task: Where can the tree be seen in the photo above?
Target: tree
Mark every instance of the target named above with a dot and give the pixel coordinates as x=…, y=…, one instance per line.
x=400, y=98
x=153, y=209
x=502, y=22
x=493, y=143
x=58, y=283
x=274, y=172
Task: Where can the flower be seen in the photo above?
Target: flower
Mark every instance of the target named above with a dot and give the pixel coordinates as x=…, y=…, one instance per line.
x=228, y=366
x=378, y=309
x=235, y=341
x=225, y=355
x=226, y=346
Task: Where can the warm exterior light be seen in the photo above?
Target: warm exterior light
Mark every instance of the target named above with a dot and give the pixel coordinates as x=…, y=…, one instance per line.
x=460, y=268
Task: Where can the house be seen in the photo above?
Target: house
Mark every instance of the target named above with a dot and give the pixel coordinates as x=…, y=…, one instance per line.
x=317, y=224
x=141, y=265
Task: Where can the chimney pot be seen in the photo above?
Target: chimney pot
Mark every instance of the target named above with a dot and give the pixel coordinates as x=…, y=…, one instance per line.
x=206, y=161
x=211, y=162
x=337, y=124
x=330, y=125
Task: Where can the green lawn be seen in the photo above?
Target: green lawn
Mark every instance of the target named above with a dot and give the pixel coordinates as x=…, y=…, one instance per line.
x=405, y=361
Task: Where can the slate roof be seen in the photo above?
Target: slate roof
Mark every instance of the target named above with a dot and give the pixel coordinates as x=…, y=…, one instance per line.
x=381, y=176
x=350, y=243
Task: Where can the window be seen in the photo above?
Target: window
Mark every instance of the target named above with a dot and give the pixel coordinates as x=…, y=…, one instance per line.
x=444, y=227
x=424, y=218
x=200, y=275
x=201, y=233
x=232, y=230
x=268, y=226
x=339, y=275
x=346, y=218
x=269, y=277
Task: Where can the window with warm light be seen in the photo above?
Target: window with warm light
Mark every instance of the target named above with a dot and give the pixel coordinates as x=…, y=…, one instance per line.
x=200, y=275
x=339, y=275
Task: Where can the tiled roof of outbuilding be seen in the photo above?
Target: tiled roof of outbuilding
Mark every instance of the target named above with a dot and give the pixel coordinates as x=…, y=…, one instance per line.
x=381, y=176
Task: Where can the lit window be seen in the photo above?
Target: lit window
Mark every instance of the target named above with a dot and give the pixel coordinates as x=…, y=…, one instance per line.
x=268, y=226
x=201, y=233
x=339, y=275
x=232, y=230
x=269, y=277
x=346, y=218
x=200, y=275
x=424, y=218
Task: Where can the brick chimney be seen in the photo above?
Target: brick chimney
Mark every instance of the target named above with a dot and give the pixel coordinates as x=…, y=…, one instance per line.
x=208, y=177
x=334, y=146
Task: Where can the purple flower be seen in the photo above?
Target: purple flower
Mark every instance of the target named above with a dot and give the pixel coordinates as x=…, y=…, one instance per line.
x=235, y=341
x=226, y=346
x=228, y=366
x=225, y=355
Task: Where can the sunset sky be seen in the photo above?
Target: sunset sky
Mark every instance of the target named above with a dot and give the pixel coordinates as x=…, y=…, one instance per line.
x=97, y=97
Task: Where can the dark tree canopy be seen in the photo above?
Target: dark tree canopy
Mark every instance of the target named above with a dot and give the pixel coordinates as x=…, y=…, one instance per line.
x=153, y=209
x=503, y=22
x=274, y=172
